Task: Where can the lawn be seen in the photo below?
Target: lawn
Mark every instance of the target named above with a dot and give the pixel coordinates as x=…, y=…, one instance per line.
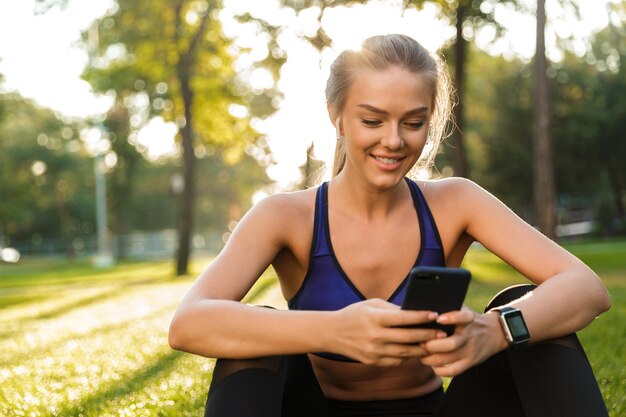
x=78, y=341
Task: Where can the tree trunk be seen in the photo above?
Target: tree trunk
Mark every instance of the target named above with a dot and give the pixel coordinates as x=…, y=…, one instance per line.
x=617, y=189
x=459, y=153
x=184, y=70
x=185, y=222
x=122, y=178
x=544, y=190
x=123, y=208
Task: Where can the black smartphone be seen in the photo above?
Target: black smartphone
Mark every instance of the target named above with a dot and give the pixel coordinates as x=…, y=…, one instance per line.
x=436, y=289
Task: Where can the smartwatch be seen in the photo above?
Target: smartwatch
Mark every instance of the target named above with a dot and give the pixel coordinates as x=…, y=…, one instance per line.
x=514, y=326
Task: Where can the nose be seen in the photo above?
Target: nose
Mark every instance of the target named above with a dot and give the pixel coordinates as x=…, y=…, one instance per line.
x=392, y=138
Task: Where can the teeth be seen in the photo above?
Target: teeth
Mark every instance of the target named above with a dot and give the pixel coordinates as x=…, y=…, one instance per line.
x=386, y=160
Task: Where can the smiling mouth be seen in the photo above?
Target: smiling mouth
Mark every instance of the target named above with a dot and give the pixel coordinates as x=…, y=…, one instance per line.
x=387, y=161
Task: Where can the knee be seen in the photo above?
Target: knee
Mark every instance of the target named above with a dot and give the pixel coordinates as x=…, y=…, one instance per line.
x=271, y=363
x=509, y=294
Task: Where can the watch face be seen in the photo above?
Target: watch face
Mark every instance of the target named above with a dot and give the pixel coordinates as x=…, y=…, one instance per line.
x=517, y=326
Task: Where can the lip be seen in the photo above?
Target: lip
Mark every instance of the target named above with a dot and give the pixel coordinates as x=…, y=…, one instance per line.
x=386, y=165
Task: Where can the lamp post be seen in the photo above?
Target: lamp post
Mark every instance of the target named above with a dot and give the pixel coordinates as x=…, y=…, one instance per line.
x=103, y=258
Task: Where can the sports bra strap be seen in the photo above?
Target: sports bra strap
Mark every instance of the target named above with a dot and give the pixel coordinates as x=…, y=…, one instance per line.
x=430, y=238
x=320, y=243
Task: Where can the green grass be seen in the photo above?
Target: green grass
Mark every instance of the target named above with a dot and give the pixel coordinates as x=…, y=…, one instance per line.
x=80, y=341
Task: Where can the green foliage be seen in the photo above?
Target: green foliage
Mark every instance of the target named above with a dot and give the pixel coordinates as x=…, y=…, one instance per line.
x=45, y=179
x=587, y=113
x=142, y=49
x=60, y=202
x=499, y=103
x=589, y=121
x=78, y=340
x=171, y=59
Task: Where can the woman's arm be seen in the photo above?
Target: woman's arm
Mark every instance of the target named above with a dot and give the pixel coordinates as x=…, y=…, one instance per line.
x=569, y=294
x=211, y=321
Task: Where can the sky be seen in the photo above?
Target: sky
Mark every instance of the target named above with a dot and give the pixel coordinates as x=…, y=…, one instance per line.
x=41, y=58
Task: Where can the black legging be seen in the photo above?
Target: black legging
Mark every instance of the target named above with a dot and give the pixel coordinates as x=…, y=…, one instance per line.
x=549, y=379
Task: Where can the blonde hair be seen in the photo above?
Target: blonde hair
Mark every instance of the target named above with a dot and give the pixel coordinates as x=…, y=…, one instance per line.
x=380, y=53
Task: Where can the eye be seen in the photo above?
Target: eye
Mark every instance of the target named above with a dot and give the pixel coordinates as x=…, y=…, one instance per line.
x=417, y=124
x=371, y=122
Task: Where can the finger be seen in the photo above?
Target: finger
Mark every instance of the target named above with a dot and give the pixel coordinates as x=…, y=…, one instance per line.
x=440, y=360
x=436, y=360
x=451, y=369
x=445, y=345
x=457, y=318
x=412, y=335
x=407, y=317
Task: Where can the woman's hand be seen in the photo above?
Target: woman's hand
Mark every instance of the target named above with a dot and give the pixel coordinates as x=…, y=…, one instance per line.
x=368, y=331
x=476, y=338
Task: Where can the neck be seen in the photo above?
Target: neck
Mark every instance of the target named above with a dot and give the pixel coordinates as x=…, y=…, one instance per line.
x=361, y=199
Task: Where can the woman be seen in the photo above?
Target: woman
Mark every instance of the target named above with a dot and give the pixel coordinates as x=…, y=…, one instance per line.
x=342, y=253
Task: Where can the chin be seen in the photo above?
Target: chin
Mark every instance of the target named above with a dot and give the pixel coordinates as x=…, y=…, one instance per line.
x=387, y=181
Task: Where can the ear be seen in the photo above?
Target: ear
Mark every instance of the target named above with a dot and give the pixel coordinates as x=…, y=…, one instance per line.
x=335, y=119
x=339, y=126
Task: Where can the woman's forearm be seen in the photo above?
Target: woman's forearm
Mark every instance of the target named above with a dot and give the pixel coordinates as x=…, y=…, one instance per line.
x=563, y=304
x=230, y=329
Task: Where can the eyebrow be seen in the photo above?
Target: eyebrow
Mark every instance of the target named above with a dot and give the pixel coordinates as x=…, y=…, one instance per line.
x=418, y=110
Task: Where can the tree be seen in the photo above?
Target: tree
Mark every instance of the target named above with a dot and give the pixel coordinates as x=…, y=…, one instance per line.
x=467, y=17
x=45, y=179
x=544, y=191
x=172, y=59
x=586, y=124
x=610, y=52
x=123, y=178
x=499, y=130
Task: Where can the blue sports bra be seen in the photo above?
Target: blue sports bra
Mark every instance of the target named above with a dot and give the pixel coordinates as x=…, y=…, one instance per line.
x=327, y=287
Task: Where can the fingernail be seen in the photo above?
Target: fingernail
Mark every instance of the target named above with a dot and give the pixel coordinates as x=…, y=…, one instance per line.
x=432, y=316
x=441, y=335
x=443, y=319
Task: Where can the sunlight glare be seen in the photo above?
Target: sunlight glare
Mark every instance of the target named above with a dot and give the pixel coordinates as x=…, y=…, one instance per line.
x=158, y=137
x=9, y=255
x=38, y=168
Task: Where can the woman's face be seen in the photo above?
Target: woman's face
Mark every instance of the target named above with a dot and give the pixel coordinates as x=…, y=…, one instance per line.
x=385, y=124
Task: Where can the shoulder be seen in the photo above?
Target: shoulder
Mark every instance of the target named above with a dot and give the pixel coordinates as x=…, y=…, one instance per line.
x=287, y=203
x=282, y=213
x=460, y=202
x=453, y=190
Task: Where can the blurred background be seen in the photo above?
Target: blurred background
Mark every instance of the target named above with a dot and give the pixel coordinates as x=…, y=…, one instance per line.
x=143, y=130
x=135, y=135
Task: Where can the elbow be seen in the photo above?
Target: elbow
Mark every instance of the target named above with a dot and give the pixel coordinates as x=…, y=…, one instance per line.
x=174, y=336
x=190, y=329
x=603, y=299
x=606, y=302
x=184, y=334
